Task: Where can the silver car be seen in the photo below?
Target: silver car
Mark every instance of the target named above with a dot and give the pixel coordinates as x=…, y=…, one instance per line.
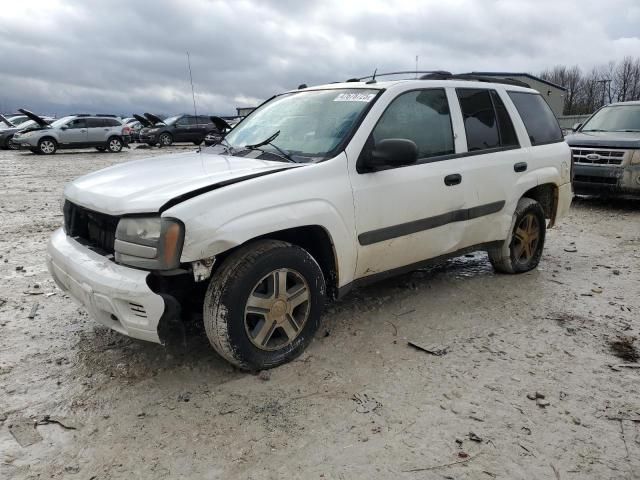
x=104, y=133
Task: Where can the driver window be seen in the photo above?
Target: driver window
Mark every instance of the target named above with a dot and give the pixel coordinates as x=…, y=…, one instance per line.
x=184, y=122
x=77, y=123
x=421, y=116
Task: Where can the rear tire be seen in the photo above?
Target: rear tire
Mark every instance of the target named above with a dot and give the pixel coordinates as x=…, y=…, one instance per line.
x=522, y=251
x=114, y=145
x=263, y=304
x=47, y=146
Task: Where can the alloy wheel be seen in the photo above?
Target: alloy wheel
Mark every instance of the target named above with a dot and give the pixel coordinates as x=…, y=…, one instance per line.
x=277, y=309
x=115, y=145
x=526, y=238
x=47, y=146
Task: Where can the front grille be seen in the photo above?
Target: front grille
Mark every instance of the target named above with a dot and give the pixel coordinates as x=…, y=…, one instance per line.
x=595, y=156
x=94, y=229
x=592, y=179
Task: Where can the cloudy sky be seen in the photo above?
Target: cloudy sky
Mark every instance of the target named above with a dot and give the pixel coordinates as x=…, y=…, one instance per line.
x=61, y=56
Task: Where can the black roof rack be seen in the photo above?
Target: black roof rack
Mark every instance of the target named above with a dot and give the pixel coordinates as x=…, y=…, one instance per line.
x=94, y=115
x=444, y=75
x=386, y=74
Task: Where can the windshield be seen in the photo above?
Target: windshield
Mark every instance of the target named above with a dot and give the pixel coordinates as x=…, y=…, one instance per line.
x=311, y=123
x=28, y=124
x=617, y=118
x=171, y=120
x=18, y=120
x=61, y=121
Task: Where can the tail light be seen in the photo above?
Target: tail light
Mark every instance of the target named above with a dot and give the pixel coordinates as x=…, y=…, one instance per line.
x=126, y=130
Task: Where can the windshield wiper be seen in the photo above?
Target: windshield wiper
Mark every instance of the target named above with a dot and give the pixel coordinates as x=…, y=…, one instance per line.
x=227, y=146
x=628, y=130
x=594, y=130
x=283, y=153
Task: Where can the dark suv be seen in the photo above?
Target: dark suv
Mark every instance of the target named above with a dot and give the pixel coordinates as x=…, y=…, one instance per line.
x=180, y=128
x=606, y=151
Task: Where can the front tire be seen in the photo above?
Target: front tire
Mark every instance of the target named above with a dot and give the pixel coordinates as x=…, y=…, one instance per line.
x=47, y=146
x=522, y=251
x=165, y=139
x=114, y=145
x=263, y=305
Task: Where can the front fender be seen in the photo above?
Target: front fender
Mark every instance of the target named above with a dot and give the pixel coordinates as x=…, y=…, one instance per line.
x=262, y=222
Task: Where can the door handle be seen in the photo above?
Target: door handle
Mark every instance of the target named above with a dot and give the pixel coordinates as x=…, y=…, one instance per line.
x=520, y=167
x=453, y=179
x=83, y=131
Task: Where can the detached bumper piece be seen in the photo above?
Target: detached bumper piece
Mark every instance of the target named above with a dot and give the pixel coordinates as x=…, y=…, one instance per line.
x=116, y=296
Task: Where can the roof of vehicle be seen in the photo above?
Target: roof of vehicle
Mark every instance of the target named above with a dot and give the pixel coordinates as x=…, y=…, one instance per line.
x=630, y=102
x=387, y=84
x=518, y=74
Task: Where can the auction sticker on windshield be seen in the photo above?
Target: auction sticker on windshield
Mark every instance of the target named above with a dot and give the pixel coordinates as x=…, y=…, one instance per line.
x=354, y=97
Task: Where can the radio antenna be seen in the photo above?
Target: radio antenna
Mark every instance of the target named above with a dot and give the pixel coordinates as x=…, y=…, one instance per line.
x=193, y=93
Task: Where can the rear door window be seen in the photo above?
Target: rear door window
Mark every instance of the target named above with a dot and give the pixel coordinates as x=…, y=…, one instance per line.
x=540, y=122
x=508, y=136
x=480, y=121
x=94, y=122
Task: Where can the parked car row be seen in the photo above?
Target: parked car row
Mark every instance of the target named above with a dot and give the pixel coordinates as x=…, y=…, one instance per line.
x=45, y=135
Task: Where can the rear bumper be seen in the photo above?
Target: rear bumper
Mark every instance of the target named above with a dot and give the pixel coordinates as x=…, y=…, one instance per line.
x=565, y=196
x=116, y=296
x=603, y=179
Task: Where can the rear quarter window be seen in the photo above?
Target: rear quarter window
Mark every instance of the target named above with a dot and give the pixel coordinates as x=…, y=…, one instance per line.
x=540, y=122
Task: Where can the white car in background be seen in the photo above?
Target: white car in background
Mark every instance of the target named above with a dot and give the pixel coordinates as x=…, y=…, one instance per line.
x=315, y=192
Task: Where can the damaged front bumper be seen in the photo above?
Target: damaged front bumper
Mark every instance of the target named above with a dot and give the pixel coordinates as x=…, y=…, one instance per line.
x=116, y=296
x=604, y=179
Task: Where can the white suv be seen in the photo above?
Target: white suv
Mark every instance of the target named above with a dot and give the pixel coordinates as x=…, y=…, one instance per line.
x=315, y=192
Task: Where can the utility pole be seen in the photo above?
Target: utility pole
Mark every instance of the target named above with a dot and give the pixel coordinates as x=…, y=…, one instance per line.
x=416, y=66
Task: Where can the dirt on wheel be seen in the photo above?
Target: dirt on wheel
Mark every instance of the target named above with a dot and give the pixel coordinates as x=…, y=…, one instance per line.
x=513, y=376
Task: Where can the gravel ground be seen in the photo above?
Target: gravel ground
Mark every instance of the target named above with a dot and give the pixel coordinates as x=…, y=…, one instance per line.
x=360, y=403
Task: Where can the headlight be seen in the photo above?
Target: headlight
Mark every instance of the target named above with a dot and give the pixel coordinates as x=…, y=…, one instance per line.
x=151, y=243
x=26, y=134
x=153, y=130
x=635, y=158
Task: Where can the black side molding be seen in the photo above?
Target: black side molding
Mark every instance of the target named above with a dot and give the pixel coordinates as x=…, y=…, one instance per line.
x=387, y=233
x=376, y=277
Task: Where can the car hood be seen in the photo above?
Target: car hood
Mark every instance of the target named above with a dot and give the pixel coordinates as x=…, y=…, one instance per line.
x=39, y=120
x=146, y=186
x=4, y=123
x=605, y=139
x=145, y=122
x=154, y=119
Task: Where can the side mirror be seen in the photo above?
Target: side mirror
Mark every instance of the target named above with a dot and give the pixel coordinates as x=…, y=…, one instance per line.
x=576, y=127
x=392, y=152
